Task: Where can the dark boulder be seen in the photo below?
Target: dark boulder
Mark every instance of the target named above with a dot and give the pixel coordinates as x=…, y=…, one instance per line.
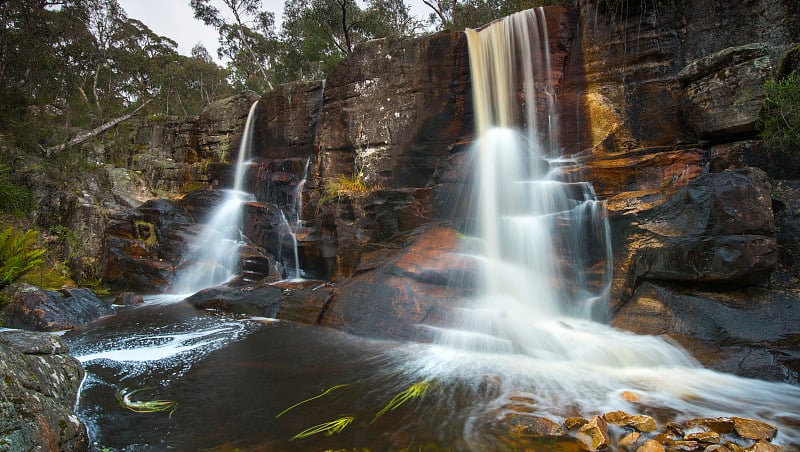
x=31, y=308
x=38, y=387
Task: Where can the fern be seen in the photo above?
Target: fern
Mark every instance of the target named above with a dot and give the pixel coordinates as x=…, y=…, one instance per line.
x=18, y=254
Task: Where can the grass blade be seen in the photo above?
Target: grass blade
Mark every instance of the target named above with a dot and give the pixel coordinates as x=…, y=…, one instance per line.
x=329, y=428
x=415, y=390
x=332, y=388
x=144, y=406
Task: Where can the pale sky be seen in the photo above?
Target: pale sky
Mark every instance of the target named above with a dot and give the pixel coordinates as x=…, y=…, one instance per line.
x=175, y=20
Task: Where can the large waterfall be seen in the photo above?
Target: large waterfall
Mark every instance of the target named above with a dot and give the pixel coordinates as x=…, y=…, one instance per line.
x=214, y=254
x=536, y=326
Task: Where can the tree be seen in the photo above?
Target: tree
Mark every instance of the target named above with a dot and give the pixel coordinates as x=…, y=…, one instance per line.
x=249, y=41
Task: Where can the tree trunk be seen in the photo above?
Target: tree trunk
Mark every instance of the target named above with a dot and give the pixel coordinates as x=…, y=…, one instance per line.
x=84, y=136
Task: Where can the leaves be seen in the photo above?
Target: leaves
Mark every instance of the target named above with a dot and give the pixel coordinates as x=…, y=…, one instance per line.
x=144, y=406
x=329, y=428
x=780, y=117
x=413, y=391
x=18, y=254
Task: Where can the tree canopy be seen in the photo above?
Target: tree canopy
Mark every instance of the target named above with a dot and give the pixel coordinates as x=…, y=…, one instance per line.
x=81, y=63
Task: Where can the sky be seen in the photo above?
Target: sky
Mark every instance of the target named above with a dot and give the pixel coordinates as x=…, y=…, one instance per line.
x=175, y=20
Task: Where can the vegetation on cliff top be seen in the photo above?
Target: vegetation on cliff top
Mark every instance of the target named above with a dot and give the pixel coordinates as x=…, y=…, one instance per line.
x=780, y=117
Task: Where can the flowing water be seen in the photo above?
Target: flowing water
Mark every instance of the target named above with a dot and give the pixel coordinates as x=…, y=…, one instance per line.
x=530, y=341
x=213, y=257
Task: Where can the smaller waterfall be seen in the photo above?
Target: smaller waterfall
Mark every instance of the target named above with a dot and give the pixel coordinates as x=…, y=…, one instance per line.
x=214, y=254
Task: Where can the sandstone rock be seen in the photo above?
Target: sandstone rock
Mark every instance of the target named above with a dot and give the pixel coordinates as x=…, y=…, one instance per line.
x=724, y=90
x=38, y=386
x=651, y=446
x=722, y=425
x=261, y=300
x=704, y=437
x=572, y=423
x=764, y=446
x=288, y=120
x=628, y=442
x=529, y=426
x=753, y=429
x=128, y=299
x=594, y=435
x=405, y=286
x=31, y=308
x=640, y=423
x=717, y=448
x=143, y=246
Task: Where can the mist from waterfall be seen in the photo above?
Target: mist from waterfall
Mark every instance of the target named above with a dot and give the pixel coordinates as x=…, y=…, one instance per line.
x=214, y=254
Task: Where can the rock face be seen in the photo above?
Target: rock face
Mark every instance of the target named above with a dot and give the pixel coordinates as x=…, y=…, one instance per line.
x=658, y=107
x=38, y=386
x=31, y=308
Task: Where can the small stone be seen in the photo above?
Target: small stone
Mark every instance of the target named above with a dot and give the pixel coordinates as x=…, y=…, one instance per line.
x=684, y=446
x=753, y=429
x=632, y=397
x=651, y=445
x=571, y=423
x=764, y=446
x=639, y=423
x=721, y=425
x=717, y=448
x=128, y=299
x=675, y=428
x=594, y=435
x=704, y=437
x=629, y=441
x=527, y=426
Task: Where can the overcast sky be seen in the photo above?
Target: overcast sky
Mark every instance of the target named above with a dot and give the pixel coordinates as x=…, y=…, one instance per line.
x=175, y=20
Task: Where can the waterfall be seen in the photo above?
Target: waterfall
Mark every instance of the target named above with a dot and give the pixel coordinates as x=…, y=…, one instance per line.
x=214, y=254
x=543, y=243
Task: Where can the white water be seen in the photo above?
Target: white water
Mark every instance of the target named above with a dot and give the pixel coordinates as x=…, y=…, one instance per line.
x=545, y=264
x=214, y=254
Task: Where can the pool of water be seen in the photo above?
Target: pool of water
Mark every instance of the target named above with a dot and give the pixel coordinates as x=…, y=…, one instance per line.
x=233, y=379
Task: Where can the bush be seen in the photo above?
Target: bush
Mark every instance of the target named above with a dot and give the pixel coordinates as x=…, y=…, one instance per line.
x=14, y=198
x=780, y=118
x=18, y=254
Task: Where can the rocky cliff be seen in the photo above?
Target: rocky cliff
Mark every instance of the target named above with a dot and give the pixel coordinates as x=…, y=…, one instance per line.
x=659, y=107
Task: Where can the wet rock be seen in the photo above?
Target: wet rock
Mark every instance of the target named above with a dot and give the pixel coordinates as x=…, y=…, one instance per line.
x=753, y=429
x=721, y=425
x=640, y=423
x=723, y=91
x=128, y=299
x=703, y=437
x=529, y=426
x=29, y=307
x=401, y=287
x=651, y=446
x=764, y=446
x=38, y=386
x=628, y=442
x=288, y=120
x=143, y=246
x=302, y=301
x=572, y=423
x=594, y=435
x=717, y=448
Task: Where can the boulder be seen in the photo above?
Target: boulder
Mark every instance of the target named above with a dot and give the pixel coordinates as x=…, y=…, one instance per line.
x=39, y=384
x=303, y=301
x=31, y=308
x=723, y=91
x=399, y=285
x=640, y=423
x=594, y=435
x=143, y=246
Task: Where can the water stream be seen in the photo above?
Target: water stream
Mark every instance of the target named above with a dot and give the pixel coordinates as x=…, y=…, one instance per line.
x=533, y=336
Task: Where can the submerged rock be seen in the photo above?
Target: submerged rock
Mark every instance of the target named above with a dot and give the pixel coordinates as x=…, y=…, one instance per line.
x=29, y=307
x=38, y=386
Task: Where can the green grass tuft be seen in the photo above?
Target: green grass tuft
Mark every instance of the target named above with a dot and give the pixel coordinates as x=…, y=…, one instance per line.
x=413, y=391
x=329, y=428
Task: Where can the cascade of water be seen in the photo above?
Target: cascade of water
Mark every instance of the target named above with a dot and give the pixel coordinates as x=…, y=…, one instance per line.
x=214, y=254
x=545, y=248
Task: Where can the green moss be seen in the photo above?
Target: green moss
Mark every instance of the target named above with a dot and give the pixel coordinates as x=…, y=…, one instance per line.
x=146, y=232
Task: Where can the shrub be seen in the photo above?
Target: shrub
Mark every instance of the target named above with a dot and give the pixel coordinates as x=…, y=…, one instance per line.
x=342, y=184
x=15, y=199
x=18, y=254
x=780, y=118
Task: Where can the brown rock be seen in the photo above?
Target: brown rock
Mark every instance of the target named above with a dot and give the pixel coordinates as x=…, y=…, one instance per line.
x=594, y=435
x=571, y=423
x=703, y=437
x=753, y=429
x=764, y=446
x=128, y=298
x=640, y=423
x=651, y=445
x=628, y=442
x=724, y=90
x=529, y=426
x=31, y=308
x=717, y=448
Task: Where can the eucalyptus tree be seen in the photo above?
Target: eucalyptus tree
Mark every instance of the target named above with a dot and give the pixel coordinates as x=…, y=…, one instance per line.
x=248, y=41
